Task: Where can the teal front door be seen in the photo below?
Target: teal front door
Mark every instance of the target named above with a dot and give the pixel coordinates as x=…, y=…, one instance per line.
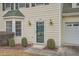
x=40, y=32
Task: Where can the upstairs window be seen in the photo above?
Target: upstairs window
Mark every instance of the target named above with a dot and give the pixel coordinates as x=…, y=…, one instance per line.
x=16, y=5
x=46, y=3
x=12, y=6
x=33, y=4
x=21, y=5
x=7, y=5
x=3, y=6
x=27, y=5
x=78, y=4
x=37, y=4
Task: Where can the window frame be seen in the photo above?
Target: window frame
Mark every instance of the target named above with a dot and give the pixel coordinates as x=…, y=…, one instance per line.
x=19, y=33
x=12, y=8
x=33, y=4
x=28, y=5
x=16, y=6
x=22, y=6
x=3, y=7
x=39, y=4
x=9, y=28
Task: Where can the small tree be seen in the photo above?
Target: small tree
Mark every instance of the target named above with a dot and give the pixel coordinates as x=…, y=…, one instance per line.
x=11, y=42
x=51, y=44
x=24, y=42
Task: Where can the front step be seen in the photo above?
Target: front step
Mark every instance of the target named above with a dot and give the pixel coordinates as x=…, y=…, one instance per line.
x=39, y=46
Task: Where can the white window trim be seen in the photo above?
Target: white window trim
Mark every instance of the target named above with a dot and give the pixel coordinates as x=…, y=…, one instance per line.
x=74, y=5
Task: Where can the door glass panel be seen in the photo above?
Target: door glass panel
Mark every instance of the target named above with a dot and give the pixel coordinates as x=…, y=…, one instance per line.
x=40, y=32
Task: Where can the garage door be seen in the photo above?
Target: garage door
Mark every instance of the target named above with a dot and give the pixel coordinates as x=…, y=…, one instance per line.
x=71, y=33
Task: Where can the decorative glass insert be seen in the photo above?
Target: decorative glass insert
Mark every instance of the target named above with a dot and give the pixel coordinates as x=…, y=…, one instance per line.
x=75, y=24
x=40, y=32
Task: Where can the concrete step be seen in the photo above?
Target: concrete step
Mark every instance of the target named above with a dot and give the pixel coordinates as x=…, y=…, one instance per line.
x=38, y=46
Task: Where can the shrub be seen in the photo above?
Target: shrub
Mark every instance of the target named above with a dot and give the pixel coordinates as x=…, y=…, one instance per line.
x=51, y=44
x=11, y=42
x=24, y=42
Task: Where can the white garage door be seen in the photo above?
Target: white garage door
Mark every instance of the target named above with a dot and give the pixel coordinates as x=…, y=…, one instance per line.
x=71, y=32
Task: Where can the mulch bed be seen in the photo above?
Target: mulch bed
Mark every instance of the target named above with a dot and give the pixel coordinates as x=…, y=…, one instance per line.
x=55, y=49
x=17, y=47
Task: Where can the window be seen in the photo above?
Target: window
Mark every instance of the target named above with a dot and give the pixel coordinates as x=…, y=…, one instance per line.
x=37, y=4
x=27, y=5
x=8, y=26
x=69, y=25
x=18, y=28
x=12, y=6
x=46, y=3
x=21, y=5
x=33, y=4
x=75, y=24
x=78, y=4
x=16, y=5
x=3, y=6
x=7, y=5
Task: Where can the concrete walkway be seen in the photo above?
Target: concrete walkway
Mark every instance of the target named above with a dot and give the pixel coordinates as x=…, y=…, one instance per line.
x=41, y=52
x=65, y=51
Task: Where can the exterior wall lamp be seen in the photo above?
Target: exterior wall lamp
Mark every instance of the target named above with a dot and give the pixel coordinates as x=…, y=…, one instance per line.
x=29, y=23
x=51, y=22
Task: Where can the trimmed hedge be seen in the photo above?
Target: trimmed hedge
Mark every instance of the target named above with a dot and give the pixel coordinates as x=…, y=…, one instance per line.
x=11, y=42
x=50, y=44
x=24, y=42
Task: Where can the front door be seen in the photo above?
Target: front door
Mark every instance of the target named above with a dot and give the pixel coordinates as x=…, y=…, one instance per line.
x=40, y=32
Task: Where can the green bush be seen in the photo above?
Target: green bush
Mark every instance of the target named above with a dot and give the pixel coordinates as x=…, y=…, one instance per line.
x=51, y=44
x=11, y=42
x=24, y=42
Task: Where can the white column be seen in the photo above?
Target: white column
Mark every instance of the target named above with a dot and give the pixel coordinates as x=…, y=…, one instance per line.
x=13, y=26
x=14, y=6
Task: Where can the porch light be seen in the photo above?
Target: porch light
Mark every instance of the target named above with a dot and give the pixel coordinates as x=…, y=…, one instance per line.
x=29, y=23
x=51, y=22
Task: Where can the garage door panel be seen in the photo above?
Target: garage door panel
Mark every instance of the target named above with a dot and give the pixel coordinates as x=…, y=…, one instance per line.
x=71, y=32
